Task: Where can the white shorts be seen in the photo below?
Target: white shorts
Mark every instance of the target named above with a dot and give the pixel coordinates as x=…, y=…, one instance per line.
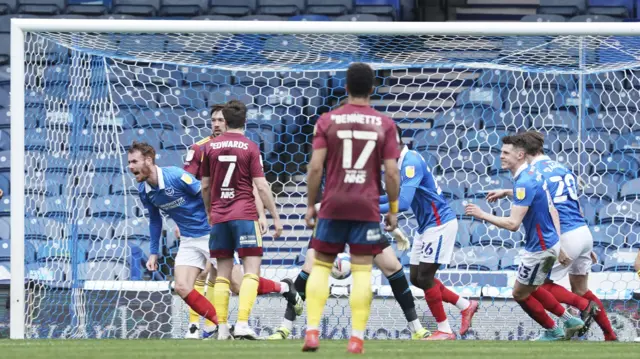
x=577, y=244
x=435, y=245
x=194, y=252
x=536, y=266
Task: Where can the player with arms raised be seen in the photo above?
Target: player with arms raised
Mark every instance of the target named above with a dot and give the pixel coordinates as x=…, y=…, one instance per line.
x=353, y=142
x=532, y=208
x=231, y=166
x=193, y=165
x=177, y=193
x=575, y=238
x=437, y=229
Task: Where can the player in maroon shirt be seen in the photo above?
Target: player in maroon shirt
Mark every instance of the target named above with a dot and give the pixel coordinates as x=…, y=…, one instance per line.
x=352, y=143
x=193, y=165
x=231, y=166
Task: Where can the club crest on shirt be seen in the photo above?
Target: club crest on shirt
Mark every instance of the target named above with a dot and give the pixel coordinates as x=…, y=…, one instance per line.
x=520, y=193
x=186, y=179
x=410, y=171
x=169, y=191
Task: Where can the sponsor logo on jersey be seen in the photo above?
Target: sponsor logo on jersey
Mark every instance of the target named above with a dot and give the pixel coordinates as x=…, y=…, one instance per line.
x=169, y=191
x=248, y=240
x=520, y=193
x=410, y=171
x=186, y=179
x=373, y=235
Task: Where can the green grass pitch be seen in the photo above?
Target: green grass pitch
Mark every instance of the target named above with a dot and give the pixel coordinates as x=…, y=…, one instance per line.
x=388, y=349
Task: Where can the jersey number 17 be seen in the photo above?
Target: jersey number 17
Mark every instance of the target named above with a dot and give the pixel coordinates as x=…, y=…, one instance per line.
x=355, y=172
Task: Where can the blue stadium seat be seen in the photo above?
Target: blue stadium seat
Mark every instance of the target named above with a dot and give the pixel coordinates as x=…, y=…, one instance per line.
x=489, y=235
x=435, y=140
x=633, y=237
x=570, y=100
x=594, y=18
x=534, y=100
x=5, y=71
x=592, y=141
x=110, y=253
x=601, y=188
x=88, y=9
x=133, y=229
x=506, y=121
x=329, y=7
x=451, y=190
x=192, y=97
x=181, y=140
x=590, y=207
x=620, y=211
x=463, y=238
x=622, y=100
x=111, y=207
x=619, y=260
x=454, y=118
x=551, y=81
x=524, y=43
x=195, y=118
x=134, y=97
x=479, y=98
x=146, y=8
x=41, y=7
x=149, y=135
x=164, y=118
x=358, y=17
x=477, y=162
x=56, y=207
x=159, y=74
x=305, y=79
x=5, y=206
x=5, y=183
x=555, y=121
x=630, y=190
x=480, y=188
x=309, y=17
x=232, y=7
x=386, y=10
x=60, y=251
x=35, y=139
x=5, y=234
x=93, y=230
x=227, y=93
x=4, y=92
x=610, y=235
x=280, y=7
x=195, y=75
x=496, y=167
x=627, y=143
x=458, y=207
x=476, y=258
x=5, y=49
x=169, y=158
x=605, y=80
x=7, y=6
x=183, y=7
x=212, y=18
x=543, y=18
x=105, y=270
x=500, y=79
x=562, y=7
x=511, y=259
x=257, y=78
x=483, y=140
x=616, y=8
x=619, y=163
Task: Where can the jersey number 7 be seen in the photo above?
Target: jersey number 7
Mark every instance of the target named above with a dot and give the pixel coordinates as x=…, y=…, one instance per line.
x=225, y=191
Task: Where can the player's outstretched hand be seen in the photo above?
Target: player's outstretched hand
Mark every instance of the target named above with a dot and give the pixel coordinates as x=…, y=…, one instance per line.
x=563, y=258
x=390, y=221
x=152, y=263
x=402, y=241
x=264, y=226
x=473, y=210
x=310, y=217
x=278, y=227
x=594, y=258
x=495, y=195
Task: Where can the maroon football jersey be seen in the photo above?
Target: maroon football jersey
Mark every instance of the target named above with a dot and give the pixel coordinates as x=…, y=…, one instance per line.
x=193, y=163
x=232, y=161
x=358, y=139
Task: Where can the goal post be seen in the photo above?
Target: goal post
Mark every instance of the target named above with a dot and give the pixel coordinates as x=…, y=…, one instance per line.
x=91, y=86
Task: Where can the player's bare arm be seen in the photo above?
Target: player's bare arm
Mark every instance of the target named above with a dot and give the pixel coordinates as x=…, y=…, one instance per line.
x=497, y=194
x=262, y=218
x=264, y=192
x=206, y=195
x=392, y=185
x=314, y=177
x=636, y=265
x=511, y=223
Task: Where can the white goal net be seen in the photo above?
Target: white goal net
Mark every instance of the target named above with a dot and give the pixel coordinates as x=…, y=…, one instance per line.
x=89, y=93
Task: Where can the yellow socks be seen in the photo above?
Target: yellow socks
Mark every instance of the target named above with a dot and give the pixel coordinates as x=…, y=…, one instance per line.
x=193, y=316
x=247, y=296
x=209, y=295
x=221, y=299
x=317, y=292
x=360, y=299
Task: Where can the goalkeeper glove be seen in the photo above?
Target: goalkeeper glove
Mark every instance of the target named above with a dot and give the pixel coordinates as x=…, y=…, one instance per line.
x=401, y=239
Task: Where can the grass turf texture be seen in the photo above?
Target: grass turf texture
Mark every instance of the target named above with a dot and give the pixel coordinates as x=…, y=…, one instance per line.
x=388, y=349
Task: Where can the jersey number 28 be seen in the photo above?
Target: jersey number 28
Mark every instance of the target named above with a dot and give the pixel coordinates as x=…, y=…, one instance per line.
x=567, y=181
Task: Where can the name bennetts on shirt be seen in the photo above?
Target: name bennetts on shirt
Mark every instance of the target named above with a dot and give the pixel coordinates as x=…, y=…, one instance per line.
x=229, y=144
x=356, y=118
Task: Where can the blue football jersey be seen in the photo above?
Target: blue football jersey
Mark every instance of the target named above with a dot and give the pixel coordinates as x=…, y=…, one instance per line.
x=561, y=185
x=420, y=191
x=529, y=191
x=177, y=195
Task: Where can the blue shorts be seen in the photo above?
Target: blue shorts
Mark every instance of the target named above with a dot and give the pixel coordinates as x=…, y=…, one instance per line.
x=242, y=236
x=331, y=235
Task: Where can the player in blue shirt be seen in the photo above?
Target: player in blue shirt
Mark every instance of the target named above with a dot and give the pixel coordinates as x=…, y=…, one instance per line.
x=437, y=229
x=575, y=238
x=177, y=193
x=533, y=209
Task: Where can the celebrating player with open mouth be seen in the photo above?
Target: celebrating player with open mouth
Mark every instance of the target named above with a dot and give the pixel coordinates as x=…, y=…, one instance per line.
x=532, y=208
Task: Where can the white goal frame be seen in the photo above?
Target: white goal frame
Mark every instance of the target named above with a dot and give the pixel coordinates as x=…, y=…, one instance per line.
x=20, y=26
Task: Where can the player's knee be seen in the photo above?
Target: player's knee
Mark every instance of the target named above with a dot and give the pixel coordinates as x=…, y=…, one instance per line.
x=424, y=281
x=235, y=287
x=182, y=289
x=519, y=295
x=203, y=276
